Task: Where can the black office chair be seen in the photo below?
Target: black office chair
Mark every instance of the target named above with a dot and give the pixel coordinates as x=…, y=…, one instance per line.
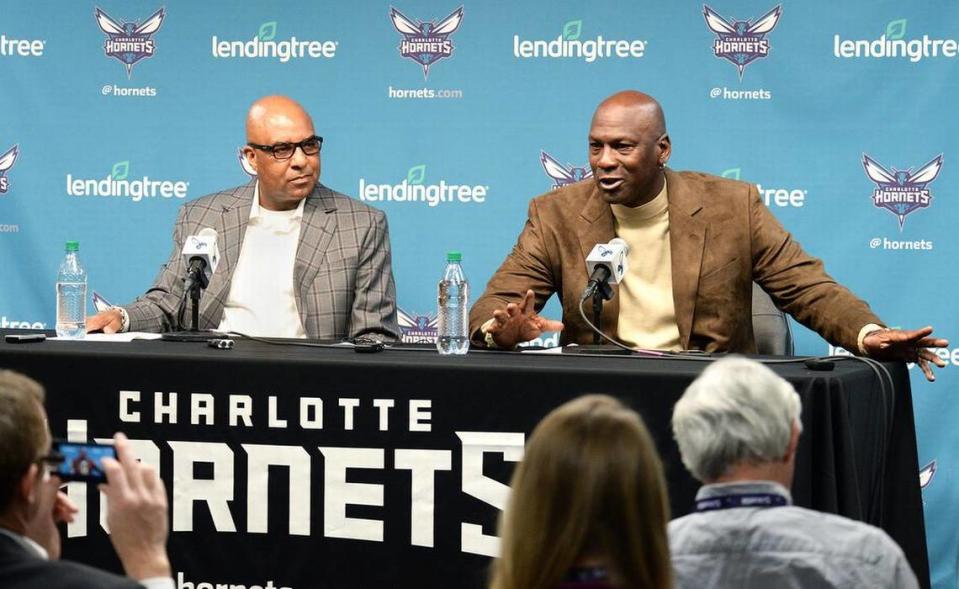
x=770, y=326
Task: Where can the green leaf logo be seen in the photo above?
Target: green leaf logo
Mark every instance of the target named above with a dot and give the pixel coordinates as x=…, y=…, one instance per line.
x=267, y=31
x=572, y=30
x=416, y=175
x=896, y=29
x=732, y=173
x=120, y=170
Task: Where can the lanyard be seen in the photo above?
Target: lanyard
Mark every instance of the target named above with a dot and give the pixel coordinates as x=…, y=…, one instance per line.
x=746, y=500
x=587, y=574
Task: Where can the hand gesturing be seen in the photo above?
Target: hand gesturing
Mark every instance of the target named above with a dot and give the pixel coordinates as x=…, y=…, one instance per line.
x=519, y=323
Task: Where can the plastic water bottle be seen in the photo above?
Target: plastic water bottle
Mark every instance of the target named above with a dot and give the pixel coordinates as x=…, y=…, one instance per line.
x=71, y=295
x=451, y=304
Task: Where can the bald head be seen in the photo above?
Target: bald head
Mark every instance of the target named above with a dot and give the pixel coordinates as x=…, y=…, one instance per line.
x=643, y=109
x=629, y=148
x=272, y=112
x=283, y=182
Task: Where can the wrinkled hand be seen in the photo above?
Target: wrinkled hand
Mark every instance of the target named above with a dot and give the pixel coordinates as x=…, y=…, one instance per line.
x=519, y=323
x=909, y=345
x=108, y=321
x=136, y=513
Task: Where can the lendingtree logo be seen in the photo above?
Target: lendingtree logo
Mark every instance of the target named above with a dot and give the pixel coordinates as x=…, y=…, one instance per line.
x=6, y=323
x=894, y=44
x=119, y=183
x=573, y=30
x=267, y=31
x=780, y=197
x=265, y=44
x=11, y=47
x=416, y=189
x=570, y=44
x=416, y=175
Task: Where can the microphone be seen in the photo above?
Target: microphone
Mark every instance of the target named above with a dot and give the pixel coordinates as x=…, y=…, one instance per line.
x=607, y=264
x=201, y=256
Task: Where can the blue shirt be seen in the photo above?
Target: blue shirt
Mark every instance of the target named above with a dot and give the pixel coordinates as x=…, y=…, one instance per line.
x=782, y=547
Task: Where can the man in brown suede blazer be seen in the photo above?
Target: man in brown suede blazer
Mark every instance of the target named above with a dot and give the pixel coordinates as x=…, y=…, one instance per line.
x=721, y=236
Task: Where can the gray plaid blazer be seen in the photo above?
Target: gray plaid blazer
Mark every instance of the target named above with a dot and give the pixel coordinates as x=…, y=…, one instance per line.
x=344, y=281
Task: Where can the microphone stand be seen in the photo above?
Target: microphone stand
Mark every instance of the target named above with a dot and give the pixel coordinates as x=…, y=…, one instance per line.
x=603, y=292
x=196, y=282
x=600, y=290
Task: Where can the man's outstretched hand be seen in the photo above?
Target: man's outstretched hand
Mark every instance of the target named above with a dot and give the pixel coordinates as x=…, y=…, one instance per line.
x=909, y=345
x=519, y=323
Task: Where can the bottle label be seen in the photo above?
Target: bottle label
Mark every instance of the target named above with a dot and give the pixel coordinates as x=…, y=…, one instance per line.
x=444, y=296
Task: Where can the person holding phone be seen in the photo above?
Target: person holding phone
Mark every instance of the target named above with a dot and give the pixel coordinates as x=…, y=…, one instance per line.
x=31, y=505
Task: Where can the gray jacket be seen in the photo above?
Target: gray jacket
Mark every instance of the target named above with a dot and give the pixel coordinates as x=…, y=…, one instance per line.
x=782, y=547
x=342, y=275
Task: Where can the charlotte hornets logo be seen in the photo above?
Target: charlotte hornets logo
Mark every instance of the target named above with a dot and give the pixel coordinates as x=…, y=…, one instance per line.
x=901, y=192
x=417, y=329
x=100, y=303
x=741, y=41
x=562, y=175
x=426, y=42
x=245, y=164
x=129, y=42
x=926, y=473
x=7, y=160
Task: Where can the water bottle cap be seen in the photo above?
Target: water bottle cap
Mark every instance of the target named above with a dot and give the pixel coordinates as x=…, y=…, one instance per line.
x=454, y=257
x=73, y=246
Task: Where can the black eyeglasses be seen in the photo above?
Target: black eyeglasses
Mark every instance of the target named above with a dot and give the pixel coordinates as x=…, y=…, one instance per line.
x=52, y=461
x=284, y=151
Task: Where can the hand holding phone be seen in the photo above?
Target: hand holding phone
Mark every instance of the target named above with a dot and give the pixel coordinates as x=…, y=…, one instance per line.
x=137, y=513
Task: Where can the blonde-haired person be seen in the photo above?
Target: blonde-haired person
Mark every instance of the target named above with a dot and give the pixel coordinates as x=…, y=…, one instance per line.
x=588, y=506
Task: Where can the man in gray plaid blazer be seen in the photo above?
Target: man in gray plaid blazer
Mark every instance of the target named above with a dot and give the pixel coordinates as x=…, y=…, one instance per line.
x=297, y=259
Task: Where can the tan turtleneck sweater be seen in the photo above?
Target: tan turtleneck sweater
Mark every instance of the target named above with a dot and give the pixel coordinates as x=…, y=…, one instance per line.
x=647, y=316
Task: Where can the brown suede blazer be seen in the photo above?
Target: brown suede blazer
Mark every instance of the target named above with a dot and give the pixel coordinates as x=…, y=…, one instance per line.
x=722, y=238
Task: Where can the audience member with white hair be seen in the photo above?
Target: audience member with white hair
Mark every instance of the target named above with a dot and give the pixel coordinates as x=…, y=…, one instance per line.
x=738, y=427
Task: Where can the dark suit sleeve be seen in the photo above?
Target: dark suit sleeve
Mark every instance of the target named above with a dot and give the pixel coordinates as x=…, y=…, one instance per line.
x=528, y=266
x=798, y=283
x=32, y=572
x=156, y=310
x=374, y=300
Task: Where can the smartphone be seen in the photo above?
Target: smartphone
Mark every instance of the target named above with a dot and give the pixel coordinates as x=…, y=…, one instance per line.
x=81, y=461
x=25, y=338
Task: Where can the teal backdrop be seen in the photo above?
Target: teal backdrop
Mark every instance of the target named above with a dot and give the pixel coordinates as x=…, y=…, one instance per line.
x=103, y=153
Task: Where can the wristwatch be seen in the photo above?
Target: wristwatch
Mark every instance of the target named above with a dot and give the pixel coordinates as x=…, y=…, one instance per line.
x=124, y=318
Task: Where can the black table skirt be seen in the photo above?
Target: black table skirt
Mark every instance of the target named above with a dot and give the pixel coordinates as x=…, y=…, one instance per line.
x=857, y=454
